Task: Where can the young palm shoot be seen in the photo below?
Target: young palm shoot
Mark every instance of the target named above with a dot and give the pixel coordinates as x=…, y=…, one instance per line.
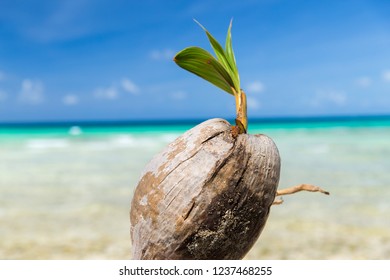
x=208, y=194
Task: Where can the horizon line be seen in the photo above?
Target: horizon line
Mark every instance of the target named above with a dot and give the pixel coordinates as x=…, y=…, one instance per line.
x=189, y=121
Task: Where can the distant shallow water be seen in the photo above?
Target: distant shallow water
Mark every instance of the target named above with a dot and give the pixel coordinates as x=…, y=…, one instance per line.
x=65, y=191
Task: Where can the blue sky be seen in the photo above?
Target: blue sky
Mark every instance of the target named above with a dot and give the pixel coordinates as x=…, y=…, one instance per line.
x=112, y=60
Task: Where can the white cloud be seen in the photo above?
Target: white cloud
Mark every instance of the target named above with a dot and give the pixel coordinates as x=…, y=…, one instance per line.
x=386, y=75
x=129, y=86
x=253, y=103
x=110, y=93
x=116, y=90
x=165, y=54
x=3, y=95
x=336, y=97
x=70, y=99
x=255, y=87
x=364, y=82
x=179, y=95
x=32, y=92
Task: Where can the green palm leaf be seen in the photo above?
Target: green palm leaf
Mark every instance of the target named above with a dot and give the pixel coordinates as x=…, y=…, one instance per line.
x=219, y=52
x=202, y=63
x=224, y=56
x=230, y=53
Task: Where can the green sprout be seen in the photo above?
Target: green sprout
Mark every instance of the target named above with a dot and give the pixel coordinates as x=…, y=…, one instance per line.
x=221, y=71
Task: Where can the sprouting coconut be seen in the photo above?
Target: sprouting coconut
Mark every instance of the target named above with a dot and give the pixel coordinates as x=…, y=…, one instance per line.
x=208, y=194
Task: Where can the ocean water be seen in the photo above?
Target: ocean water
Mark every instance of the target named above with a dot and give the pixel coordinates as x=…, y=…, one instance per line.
x=65, y=191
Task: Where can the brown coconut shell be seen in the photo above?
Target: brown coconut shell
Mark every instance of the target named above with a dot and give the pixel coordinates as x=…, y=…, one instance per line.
x=207, y=195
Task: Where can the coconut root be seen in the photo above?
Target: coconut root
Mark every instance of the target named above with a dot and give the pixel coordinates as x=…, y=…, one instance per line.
x=295, y=189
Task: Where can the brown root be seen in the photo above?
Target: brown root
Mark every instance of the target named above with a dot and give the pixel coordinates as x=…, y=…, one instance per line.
x=295, y=189
x=278, y=201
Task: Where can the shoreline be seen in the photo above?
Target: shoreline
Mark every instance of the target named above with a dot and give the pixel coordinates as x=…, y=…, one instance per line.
x=186, y=122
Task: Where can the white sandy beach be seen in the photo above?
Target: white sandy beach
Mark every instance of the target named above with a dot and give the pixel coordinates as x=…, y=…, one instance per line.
x=69, y=197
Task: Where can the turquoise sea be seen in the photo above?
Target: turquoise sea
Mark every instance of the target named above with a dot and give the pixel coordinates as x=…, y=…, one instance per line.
x=65, y=189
